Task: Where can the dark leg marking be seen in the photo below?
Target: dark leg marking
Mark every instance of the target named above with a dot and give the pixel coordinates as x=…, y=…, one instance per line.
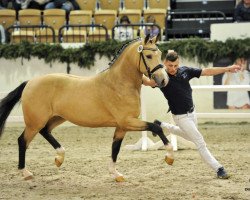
x=116, y=148
x=157, y=130
x=22, y=151
x=47, y=135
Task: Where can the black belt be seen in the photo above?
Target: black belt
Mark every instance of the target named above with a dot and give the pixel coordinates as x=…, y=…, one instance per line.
x=181, y=113
x=191, y=110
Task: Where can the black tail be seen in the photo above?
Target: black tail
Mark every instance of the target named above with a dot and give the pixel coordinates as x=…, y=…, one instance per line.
x=8, y=103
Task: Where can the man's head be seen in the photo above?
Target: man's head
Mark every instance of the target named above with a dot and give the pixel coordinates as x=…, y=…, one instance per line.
x=171, y=62
x=124, y=20
x=246, y=3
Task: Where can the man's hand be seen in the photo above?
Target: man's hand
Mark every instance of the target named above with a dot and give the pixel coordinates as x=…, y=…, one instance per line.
x=234, y=68
x=148, y=82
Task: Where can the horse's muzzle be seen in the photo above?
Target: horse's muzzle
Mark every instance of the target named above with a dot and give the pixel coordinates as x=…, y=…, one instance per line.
x=160, y=77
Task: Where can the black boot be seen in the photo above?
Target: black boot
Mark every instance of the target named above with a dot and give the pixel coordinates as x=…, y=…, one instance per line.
x=157, y=122
x=222, y=174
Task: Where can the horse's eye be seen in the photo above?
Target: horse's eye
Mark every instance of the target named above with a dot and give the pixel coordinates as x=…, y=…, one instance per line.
x=149, y=56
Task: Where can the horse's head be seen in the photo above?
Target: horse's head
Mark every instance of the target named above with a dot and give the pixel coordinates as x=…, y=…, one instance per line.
x=150, y=63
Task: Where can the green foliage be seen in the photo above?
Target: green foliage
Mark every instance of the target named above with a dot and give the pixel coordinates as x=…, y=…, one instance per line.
x=193, y=48
x=208, y=51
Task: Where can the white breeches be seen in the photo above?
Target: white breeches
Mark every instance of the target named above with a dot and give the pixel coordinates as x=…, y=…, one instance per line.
x=186, y=127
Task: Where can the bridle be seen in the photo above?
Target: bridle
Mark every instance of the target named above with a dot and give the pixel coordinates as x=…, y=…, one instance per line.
x=140, y=50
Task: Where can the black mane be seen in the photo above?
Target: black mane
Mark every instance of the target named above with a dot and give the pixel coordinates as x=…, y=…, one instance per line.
x=119, y=52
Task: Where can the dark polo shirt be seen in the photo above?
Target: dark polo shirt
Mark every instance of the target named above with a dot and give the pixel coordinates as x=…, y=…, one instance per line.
x=178, y=91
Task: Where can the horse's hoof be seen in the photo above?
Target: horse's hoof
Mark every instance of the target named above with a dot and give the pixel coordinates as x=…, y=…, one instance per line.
x=169, y=160
x=119, y=179
x=58, y=162
x=27, y=175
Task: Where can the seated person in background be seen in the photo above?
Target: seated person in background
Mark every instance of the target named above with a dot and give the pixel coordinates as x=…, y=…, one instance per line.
x=4, y=4
x=123, y=33
x=242, y=11
x=38, y=4
x=66, y=5
x=20, y=4
x=26, y=4
x=152, y=30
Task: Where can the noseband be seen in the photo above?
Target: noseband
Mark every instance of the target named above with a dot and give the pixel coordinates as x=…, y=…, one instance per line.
x=141, y=49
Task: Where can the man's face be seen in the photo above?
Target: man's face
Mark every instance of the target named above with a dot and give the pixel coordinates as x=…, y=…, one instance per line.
x=247, y=2
x=171, y=66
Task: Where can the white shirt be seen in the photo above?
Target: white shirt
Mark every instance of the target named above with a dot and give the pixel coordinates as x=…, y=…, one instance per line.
x=123, y=33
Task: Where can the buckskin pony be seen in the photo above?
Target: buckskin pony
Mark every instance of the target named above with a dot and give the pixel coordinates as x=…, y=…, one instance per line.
x=108, y=99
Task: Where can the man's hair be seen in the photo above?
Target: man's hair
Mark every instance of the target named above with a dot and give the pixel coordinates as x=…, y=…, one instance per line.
x=150, y=19
x=172, y=56
x=124, y=18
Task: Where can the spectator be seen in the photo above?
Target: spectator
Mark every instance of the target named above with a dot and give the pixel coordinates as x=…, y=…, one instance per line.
x=123, y=33
x=24, y=4
x=32, y=4
x=238, y=99
x=38, y=4
x=67, y=5
x=242, y=11
x=152, y=30
x=4, y=4
x=20, y=4
x=2, y=34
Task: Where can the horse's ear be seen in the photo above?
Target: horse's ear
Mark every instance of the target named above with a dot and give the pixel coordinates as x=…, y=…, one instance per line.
x=158, y=37
x=155, y=38
x=146, y=39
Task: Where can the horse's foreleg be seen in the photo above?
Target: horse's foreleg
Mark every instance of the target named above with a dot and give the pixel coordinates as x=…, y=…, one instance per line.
x=46, y=133
x=134, y=124
x=60, y=151
x=117, y=141
x=157, y=130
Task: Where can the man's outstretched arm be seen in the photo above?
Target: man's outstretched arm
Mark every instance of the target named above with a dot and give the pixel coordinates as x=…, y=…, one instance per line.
x=211, y=71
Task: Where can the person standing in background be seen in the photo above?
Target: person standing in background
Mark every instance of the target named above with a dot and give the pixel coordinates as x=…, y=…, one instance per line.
x=242, y=11
x=238, y=99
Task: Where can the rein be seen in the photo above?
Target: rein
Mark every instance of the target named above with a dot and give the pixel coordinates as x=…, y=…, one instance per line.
x=141, y=49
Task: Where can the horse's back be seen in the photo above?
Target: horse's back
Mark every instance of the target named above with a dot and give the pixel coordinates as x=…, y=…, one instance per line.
x=74, y=98
x=49, y=84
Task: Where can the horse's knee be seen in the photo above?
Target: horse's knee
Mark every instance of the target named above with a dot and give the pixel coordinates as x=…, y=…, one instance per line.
x=154, y=128
x=21, y=142
x=48, y=136
x=157, y=130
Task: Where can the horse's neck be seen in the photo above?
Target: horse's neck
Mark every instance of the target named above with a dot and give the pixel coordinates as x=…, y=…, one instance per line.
x=124, y=72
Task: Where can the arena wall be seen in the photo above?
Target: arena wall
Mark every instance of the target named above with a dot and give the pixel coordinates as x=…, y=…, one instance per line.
x=14, y=72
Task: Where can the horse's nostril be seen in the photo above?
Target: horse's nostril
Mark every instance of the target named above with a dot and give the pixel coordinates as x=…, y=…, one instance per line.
x=163, y=82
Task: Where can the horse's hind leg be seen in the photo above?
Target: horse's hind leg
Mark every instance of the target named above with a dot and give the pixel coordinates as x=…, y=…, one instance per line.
x=23, y=143
x=117, y=141
x=46, y=133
